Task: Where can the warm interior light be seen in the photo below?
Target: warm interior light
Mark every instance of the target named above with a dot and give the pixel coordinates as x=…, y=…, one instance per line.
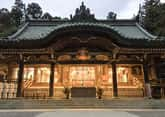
x=82, y=76
x=29, y=73
x=110, y=75
x=122, y=74
x=83, y=58
x=83, y=54
x=43, y=74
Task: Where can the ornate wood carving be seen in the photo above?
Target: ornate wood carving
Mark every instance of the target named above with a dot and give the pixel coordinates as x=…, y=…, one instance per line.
x=64, y=58
x=102, y=58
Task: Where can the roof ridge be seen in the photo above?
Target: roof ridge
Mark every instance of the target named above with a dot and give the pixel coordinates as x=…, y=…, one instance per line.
x=85, y=23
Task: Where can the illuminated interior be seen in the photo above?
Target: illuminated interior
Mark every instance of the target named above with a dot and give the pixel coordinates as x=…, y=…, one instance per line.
x=122, y=74
x=83, y=75
x=29, y=73
x=39, y=75
x=127, y=77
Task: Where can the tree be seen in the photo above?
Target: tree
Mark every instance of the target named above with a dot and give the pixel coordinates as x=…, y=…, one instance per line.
x=5, y=17
x=19, y=3
x=18, y=12
x=154, y=17
x=47, y=16
x=9, y=21
x=111, y=16
x=160, y=24
x=151, y=13
x=16, y=15
x=57, y=18
x=34, y=11
x=6, y=26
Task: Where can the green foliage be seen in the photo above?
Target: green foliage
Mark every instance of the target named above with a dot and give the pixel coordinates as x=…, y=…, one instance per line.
x=47, y=16
x=16, y=15
x=57, y=18
x=17, y=12
x=34, y=11
x=6, y=27
x=19, y=4
x=5, y=17
x=160, y=24
x=7, y=30
x=11, y=20
x=154, y=17
x=111, y=16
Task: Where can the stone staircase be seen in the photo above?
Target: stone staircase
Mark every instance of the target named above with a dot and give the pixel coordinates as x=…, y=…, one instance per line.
x=80, y=103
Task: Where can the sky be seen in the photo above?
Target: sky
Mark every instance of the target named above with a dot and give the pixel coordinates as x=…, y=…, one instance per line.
x=125, y=9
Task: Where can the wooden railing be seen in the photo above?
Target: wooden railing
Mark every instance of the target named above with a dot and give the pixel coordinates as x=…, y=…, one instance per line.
x=124, y=92
x=28, y=83
x=36, y=93
x=130, y=92
x=8, y=89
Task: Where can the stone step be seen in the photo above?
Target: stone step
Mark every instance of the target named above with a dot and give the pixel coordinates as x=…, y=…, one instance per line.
x=81, y=103
x=81, y=107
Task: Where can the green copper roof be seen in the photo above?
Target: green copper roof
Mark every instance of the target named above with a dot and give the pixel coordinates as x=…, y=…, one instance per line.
x=35, y=32
x=40, y=30
x=124, y=33
x=131, y=32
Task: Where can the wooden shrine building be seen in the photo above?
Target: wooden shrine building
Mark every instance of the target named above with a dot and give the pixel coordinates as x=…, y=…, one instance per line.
x=49, y=58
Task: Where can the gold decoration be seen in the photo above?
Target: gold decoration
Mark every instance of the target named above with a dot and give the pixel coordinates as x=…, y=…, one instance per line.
x=64, y=58
x=83, y=55
x=102, y=58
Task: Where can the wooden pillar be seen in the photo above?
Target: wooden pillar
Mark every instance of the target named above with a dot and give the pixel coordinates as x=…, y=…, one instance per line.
x=20, y=77
x=10, y=72
x=146, y=79
x=36, y=74
x=114, y=80
x=51, y=82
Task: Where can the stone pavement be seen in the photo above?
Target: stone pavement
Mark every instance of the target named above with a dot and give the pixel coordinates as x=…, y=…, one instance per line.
x=82, y=113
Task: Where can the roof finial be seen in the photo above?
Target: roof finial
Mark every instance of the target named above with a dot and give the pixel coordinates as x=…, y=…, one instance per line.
x=82, y=3
x=83, y=13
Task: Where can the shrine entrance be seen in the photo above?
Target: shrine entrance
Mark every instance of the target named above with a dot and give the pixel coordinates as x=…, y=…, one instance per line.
x=82, y=76
x=83, y=79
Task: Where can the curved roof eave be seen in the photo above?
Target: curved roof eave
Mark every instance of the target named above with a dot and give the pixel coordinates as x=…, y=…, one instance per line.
x=19, y=31
x=145, y=32
x=79, y=26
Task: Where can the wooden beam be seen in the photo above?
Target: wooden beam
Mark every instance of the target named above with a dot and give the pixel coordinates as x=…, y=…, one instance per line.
x=114, y=79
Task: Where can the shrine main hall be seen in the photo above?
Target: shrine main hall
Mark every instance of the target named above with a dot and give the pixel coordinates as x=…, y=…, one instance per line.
x=81, y=57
